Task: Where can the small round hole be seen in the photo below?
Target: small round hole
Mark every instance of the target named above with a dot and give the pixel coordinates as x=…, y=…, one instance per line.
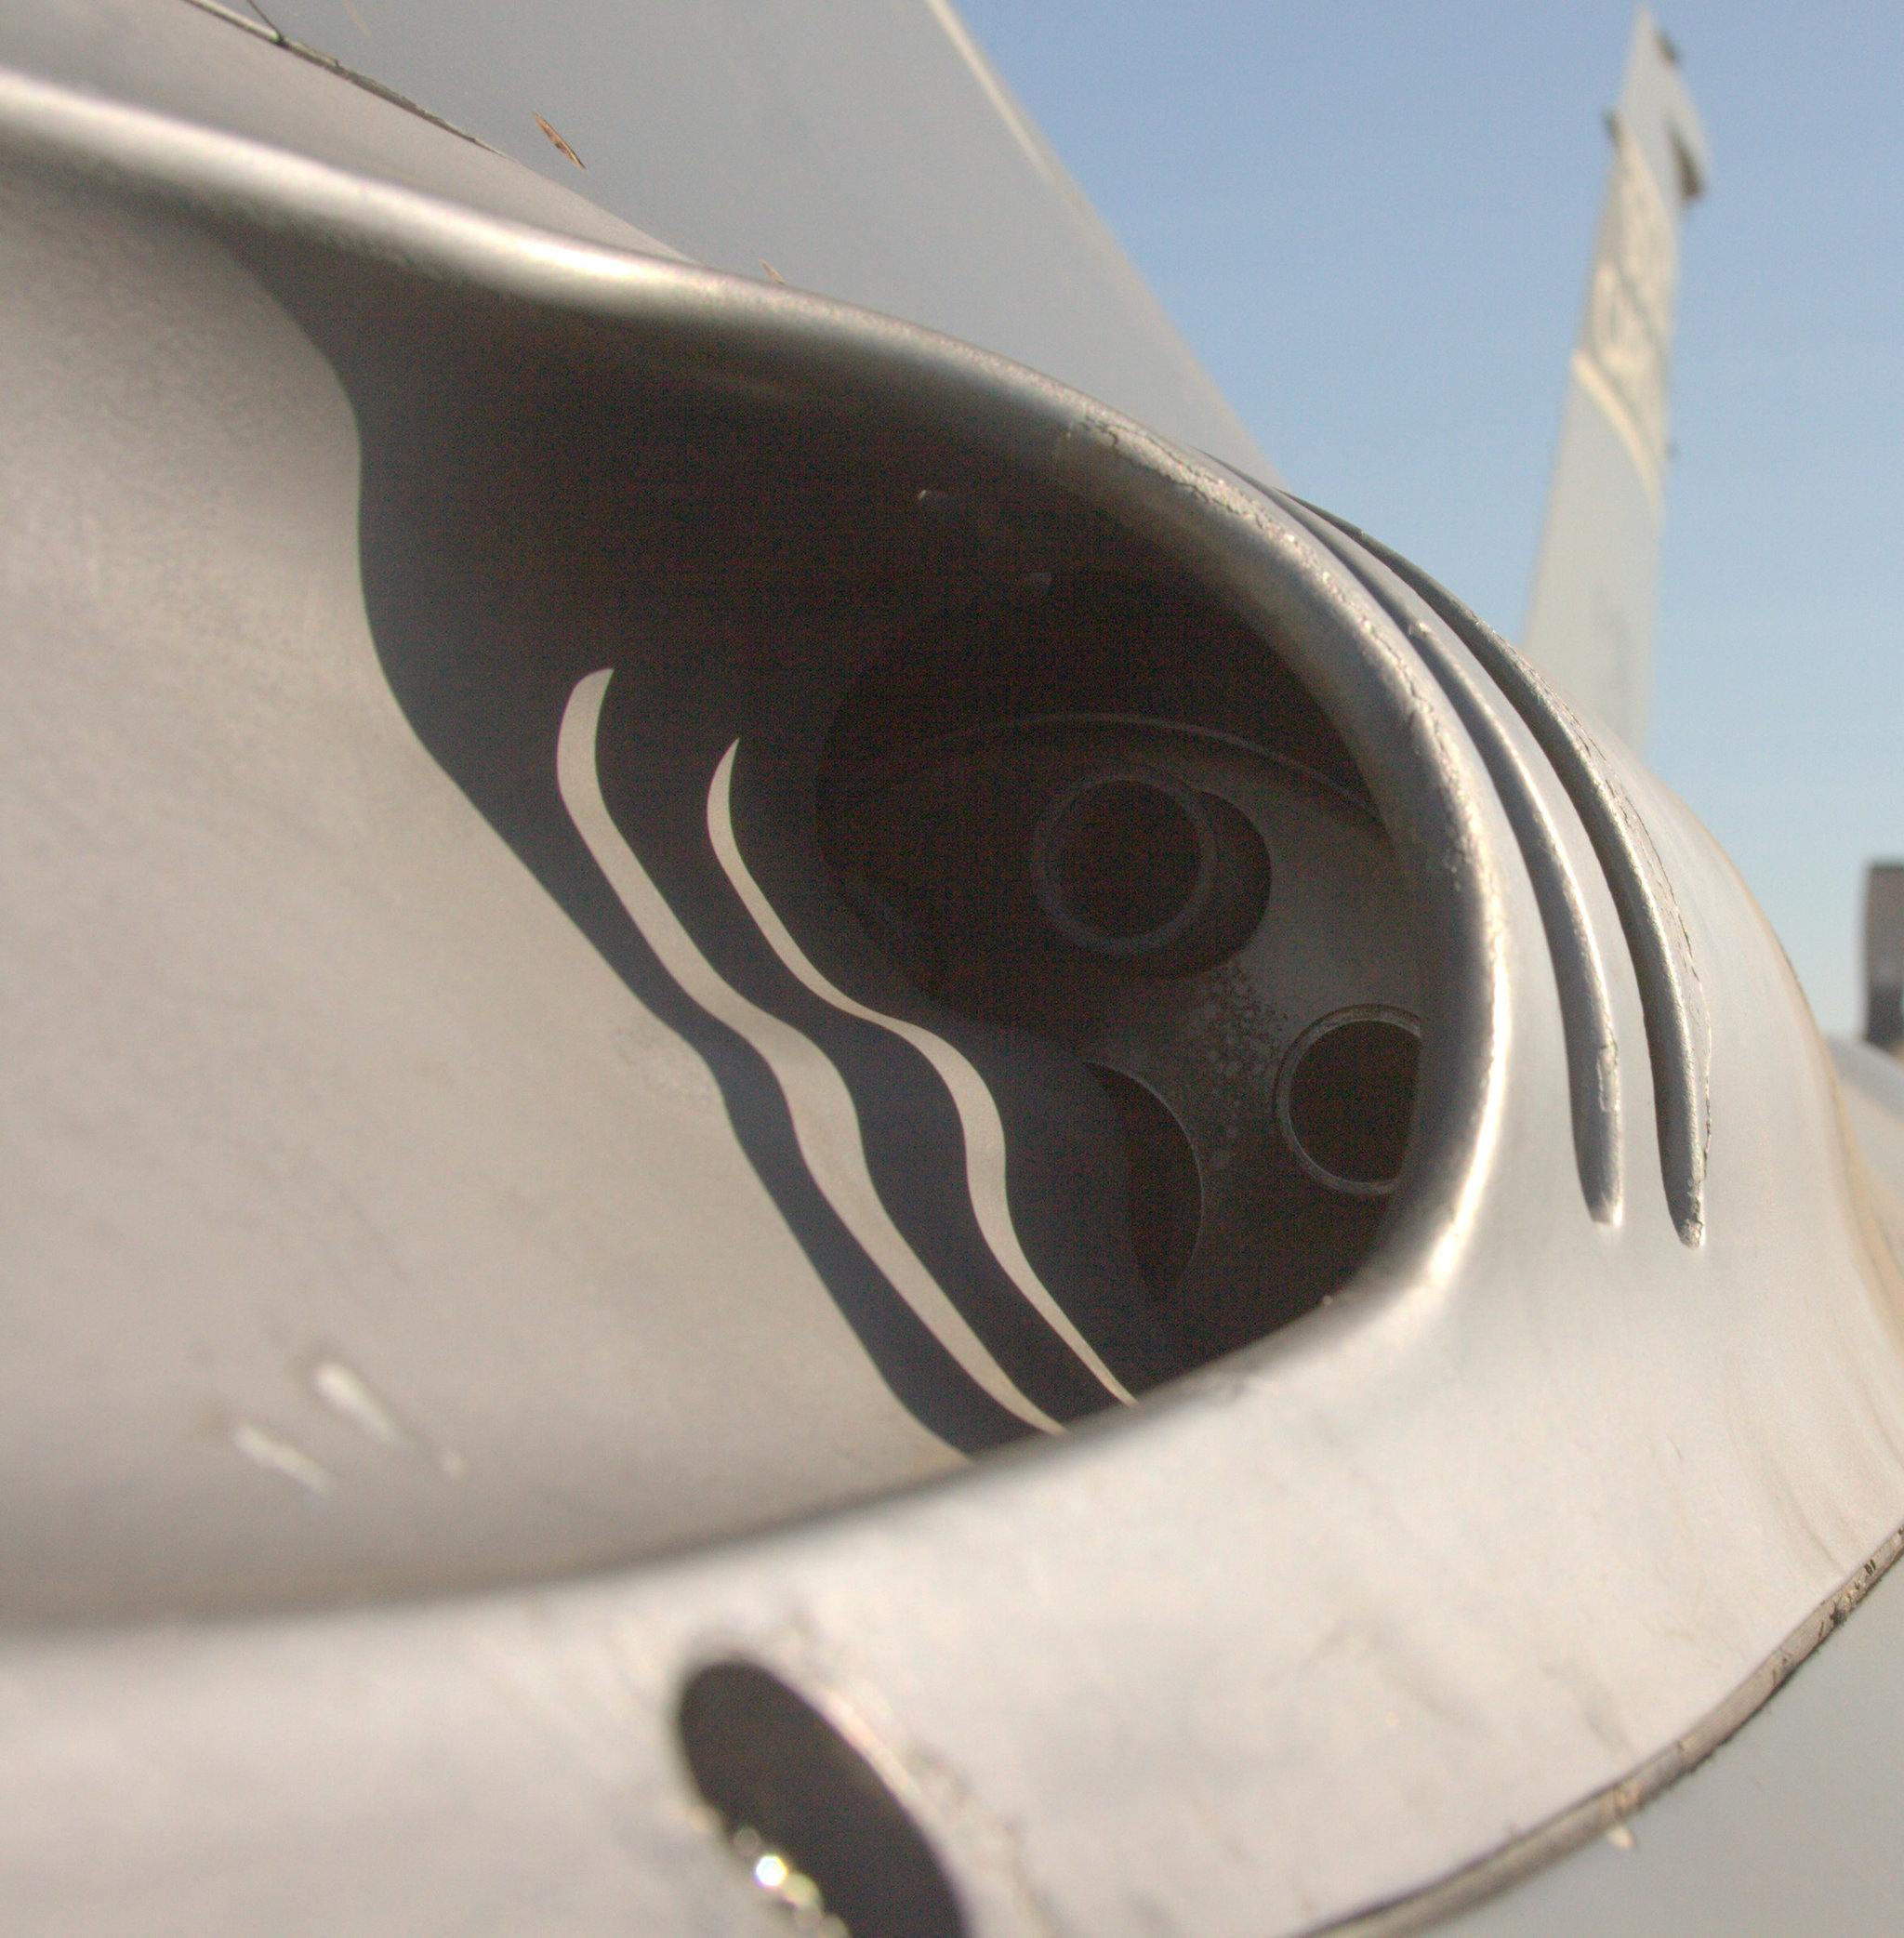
x=1123, y=861
x=815, y=1825
x=1346, y=1095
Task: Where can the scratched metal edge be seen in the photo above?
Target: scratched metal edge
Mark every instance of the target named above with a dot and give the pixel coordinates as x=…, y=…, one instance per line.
x=1593, y=1816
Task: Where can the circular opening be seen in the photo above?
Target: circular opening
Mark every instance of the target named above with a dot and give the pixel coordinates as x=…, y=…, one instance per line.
x=1123, y=863
x=808, y=1815
x=1346, y=1095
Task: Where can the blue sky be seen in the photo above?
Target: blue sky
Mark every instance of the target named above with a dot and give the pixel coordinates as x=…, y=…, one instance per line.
x=1373, y=221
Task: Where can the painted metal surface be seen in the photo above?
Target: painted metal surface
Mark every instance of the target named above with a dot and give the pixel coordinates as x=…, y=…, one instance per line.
x=182, y=59
x=1791, y=1821
x=1590, y=613
x=393, y=1202
x=882, y=161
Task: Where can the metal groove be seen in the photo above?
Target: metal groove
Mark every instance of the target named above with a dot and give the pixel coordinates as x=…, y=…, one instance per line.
x=1586, y=1009
x=1678, y=1037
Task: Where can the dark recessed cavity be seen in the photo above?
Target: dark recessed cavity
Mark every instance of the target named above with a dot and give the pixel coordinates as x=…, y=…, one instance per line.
x=1103, y=833
x=1347, y=1095
x=1164, y=1192
x=809, y=1816
x=1123, y=863
x=881, y=643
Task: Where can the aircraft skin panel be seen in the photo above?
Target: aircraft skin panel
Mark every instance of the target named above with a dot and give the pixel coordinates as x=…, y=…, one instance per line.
x=180, y=59
x=233, y=985
x=882, y=163
x=510, y=1216
x=1590, y=609
x=1789, y=1827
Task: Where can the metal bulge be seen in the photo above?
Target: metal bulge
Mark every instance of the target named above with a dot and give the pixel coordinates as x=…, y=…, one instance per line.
x=1218, y=933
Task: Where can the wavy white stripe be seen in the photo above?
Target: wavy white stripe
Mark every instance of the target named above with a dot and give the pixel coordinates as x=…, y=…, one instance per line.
x=826, y=1125
x=972, y=1097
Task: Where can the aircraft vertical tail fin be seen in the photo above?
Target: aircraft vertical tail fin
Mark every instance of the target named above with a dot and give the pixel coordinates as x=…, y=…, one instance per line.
x=1589, y=614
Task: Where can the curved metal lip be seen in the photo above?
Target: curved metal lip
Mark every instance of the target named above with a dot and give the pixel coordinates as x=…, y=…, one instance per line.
x=1428, y=787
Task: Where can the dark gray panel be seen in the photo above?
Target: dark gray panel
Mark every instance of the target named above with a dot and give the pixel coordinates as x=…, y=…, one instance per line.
x=1884, y=954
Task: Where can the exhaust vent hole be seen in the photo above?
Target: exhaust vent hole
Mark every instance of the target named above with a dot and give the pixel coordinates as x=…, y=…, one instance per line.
x=1123, y=861
x=1346, y=1097
x=809, y=1816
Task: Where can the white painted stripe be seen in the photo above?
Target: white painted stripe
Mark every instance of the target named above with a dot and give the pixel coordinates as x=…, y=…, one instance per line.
x=826, y=1125
x=961, y=36
x=972, y=1097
